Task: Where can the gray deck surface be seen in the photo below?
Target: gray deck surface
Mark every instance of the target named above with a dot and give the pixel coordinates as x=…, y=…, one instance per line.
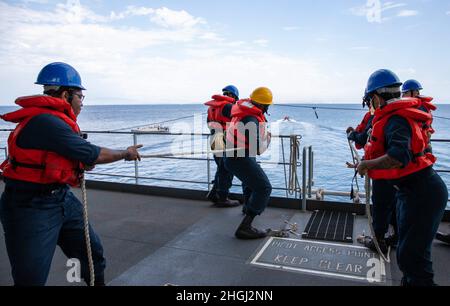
x=152, y=240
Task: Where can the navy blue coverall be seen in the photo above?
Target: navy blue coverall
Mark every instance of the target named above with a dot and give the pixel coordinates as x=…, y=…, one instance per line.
x=223, y=179
x=37, y=217
x=421, y=202
x=255, y=183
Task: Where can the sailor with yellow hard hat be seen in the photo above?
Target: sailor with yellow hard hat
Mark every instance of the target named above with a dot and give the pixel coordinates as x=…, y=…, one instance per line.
x=247, y=133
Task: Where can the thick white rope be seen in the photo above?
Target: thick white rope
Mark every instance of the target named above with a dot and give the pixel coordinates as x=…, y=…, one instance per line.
x=189, y=153
x=86, y=231
x=370, y=219
x=369, y=214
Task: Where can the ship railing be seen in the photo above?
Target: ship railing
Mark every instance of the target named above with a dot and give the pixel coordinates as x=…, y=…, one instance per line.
x=304, y=192
x=296, y=192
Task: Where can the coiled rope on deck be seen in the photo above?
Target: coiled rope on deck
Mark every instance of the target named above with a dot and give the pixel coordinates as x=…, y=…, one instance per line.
x=293, y=160
x=86, y=231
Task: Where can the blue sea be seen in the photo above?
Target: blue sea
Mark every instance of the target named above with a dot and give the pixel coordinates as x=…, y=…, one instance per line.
x=326, y=134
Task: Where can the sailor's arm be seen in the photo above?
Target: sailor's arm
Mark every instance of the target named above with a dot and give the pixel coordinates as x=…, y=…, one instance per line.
x=107, y=156
x=383, y=162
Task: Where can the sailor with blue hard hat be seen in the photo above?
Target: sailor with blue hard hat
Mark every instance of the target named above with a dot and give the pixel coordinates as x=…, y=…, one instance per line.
x=411, y=87
x=59, y=74
x=219, y=114
x=397, y=152
x=231, y=91
x=383, y=194
x=47, y=155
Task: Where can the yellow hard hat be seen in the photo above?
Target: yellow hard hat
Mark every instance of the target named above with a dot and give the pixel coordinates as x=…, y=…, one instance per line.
x=262, y=95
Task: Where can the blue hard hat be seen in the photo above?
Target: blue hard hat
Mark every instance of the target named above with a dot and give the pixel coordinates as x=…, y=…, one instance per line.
x=411, y=85
x=232, y=89
x=382, y=78
x=59, y=74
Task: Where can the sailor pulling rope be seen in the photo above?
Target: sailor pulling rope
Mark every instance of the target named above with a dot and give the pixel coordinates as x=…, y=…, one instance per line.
x=293, y=186
x=293, y=160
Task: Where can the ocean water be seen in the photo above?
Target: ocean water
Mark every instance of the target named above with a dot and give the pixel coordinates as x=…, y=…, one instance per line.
x=326, y=134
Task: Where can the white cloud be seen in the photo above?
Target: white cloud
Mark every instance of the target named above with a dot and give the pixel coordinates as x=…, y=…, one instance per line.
x=35, y=1
x=407, y=13
x=406, y=71
x=291, y=28
x=359, y=48
x=163, y=17
x=321, y=39
x=132, y=11
x=73, y=12
x=139, y=11
x=261, y=42
x=175, y=19
x=180, y=60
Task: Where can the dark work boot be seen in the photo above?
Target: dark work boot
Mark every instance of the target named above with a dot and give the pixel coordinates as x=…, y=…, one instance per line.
x=404, y=283
x=392, y=240
x=443, y=237
x=246, y=231
x=368, y=242
x=226, y=203
x=212, y=196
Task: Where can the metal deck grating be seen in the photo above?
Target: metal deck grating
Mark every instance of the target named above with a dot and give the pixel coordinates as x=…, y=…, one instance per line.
x=330, y=226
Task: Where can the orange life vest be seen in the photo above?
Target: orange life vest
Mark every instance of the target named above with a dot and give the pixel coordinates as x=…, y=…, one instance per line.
x=39, y=166
x=406, y=108
x=425, y=103
x=236, y=130
x=215, y=117
x=361, y=128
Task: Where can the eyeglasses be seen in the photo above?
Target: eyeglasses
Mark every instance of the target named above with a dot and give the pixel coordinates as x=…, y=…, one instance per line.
x=80, y=96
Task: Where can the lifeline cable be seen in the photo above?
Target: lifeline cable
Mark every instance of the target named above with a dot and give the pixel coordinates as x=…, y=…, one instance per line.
x=315, y=108
x=156, y=123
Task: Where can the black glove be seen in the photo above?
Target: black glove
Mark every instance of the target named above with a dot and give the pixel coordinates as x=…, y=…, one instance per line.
x=351, y=136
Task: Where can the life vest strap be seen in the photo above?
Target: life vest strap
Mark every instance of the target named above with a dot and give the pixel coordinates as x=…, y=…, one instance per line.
x=16, y=164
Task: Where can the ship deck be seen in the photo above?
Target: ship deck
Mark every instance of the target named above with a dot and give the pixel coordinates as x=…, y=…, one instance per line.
x=154, y=240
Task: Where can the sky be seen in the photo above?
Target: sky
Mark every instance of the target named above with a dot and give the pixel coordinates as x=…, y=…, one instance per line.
x=184, y=51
